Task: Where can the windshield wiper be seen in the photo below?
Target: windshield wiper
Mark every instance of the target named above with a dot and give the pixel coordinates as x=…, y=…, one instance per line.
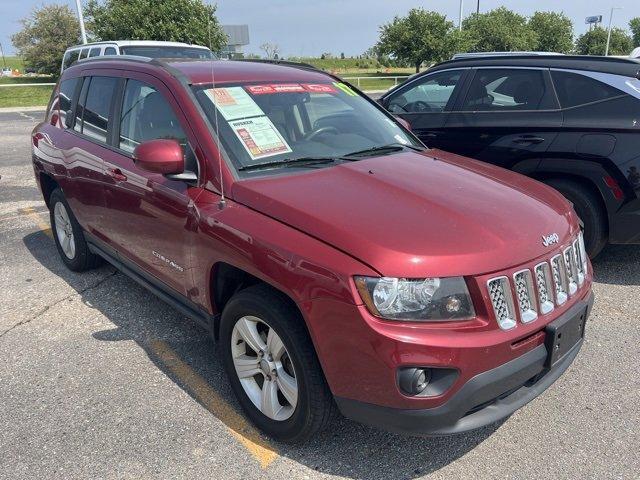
x=290, y=162
x=390, y=148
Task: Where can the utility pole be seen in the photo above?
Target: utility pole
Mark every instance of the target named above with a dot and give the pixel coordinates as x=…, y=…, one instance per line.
x=4, y=62
x=478, y=8
x=460, y=16
x=83, y=32
x=606, y=51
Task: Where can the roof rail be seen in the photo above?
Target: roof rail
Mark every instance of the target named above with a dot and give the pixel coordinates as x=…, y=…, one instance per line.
x=277, y=62
x=130, y=58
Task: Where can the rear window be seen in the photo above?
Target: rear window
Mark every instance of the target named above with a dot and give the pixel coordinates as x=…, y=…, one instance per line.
x=574, y=89
x=167, y=52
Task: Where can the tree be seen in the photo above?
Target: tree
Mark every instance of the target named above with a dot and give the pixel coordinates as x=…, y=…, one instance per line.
x=634, y=25
x=421, y=36
x=594, y=42
x=499, y=30
x=271, y=50
x=554, y=32
x=44, y=37
x=190, y=21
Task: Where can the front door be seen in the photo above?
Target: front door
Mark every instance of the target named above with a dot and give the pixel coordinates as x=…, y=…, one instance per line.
x=150, y=218
x=424, y=103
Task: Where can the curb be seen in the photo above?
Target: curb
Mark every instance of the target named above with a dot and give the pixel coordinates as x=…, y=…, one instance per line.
x=22, y=109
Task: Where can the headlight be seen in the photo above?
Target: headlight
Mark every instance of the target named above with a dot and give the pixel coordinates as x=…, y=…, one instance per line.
x=429, y=299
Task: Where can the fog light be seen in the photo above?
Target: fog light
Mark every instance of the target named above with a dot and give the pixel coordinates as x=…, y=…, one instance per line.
x=413, y=381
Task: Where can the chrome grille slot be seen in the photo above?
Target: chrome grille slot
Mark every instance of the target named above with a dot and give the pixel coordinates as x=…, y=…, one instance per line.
x=525, y=295
x=543, y=283
x=502, y=302
x=559, y=274
x=572, y=270
x=577, y=253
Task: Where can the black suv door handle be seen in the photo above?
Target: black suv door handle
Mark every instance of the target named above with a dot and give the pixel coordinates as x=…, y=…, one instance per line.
x=528, y=139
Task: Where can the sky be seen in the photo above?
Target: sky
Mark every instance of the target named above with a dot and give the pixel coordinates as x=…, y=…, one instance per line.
x=311, y=27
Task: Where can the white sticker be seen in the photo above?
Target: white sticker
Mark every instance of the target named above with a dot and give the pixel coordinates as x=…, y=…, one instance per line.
x=260, y=137
x=233, y=103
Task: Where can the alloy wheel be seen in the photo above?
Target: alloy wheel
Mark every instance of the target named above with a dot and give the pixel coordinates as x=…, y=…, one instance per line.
x=264, y=368
x=64, y=230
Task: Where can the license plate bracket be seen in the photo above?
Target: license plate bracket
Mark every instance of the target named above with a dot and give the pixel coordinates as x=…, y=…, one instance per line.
x=562, y=335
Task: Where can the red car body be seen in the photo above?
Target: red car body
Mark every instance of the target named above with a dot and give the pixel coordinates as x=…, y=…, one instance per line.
x=307, y=234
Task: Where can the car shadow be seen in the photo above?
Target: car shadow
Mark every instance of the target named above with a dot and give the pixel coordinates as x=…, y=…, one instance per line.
x=345, y=448
x=618, y=265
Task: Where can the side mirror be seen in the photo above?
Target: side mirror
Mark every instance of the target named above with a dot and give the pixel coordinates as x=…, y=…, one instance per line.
x=160, y=156
x=403, y=122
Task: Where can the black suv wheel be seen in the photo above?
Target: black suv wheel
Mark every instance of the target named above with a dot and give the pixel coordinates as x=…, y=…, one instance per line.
x=588, y=207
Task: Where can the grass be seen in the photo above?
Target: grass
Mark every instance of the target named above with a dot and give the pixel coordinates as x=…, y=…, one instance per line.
x=25, y=96
x=13, y=63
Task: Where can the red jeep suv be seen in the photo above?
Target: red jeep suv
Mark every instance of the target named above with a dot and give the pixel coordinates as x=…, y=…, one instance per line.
x=338, y=261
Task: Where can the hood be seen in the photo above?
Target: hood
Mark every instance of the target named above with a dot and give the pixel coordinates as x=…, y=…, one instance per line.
x=418, y=214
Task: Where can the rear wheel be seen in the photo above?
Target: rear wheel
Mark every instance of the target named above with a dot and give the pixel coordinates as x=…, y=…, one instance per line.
x=272, y=365
x=590, y=211
x=68, y=235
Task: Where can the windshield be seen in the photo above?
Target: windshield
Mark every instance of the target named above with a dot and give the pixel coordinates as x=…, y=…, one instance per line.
x=282, y=125
x=166, y=52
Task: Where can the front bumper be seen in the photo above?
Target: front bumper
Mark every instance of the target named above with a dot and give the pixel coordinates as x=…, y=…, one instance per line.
x=484, y=399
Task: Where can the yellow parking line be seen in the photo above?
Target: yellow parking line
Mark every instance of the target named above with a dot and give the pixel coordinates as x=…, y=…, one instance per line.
x=42, y=225
x=237, y=425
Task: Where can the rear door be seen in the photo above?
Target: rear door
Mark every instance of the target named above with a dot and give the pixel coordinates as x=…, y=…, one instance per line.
x=505, y=116
x=425, y=102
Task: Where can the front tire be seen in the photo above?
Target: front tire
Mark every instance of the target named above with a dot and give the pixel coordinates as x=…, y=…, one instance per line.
x=68, y=235
x=589, y=209
x=272, y=365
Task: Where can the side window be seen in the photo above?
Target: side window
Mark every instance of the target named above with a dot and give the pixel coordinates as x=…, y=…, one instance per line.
x=77, y=123
x=508, y=90
x=97, y=107
x=94, y=52
x=110, y=51
x=429, y=94
x=69, y=57
x=574, y=89
x=65, y=98
x=84, y=53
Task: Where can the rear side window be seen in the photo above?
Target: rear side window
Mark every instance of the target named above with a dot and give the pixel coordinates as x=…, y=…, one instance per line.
x=508, y=90
x=65, y=98
x=110, y=51
x=94, y=108
x=70, y=57
x=94, y=52
x=574, y=89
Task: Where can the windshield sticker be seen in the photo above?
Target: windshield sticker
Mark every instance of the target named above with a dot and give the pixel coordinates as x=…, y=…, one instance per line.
x=288, y=88
x=260, y=137
x=345, y=88
x=233, y=103
x=318, y=88
x=260, y=89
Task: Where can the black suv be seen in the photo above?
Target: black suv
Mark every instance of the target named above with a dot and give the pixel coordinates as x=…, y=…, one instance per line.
x=572, y=122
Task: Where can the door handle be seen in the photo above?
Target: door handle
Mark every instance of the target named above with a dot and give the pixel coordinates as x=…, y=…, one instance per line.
x=524, y=139
x=117, y=174
x=429, y=135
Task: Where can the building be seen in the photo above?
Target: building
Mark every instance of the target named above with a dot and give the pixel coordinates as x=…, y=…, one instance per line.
x=238, y=37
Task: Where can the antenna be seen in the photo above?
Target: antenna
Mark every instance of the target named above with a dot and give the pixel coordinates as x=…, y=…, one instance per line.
x=215, y=113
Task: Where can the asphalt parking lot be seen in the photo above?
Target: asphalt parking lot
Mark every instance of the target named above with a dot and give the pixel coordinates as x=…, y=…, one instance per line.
x=99, y=379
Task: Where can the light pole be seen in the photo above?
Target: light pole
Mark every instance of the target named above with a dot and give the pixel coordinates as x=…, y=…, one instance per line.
x=478, y=7
x=606, y=51
x=4, y=62
x=83, y=33
x=460, y=16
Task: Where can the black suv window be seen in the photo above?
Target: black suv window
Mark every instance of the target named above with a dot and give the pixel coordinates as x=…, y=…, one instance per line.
x=429, y=94
x=65, y=98
x=507, y=90
x=70, y=57
x=574, y=89
x=94, y=108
